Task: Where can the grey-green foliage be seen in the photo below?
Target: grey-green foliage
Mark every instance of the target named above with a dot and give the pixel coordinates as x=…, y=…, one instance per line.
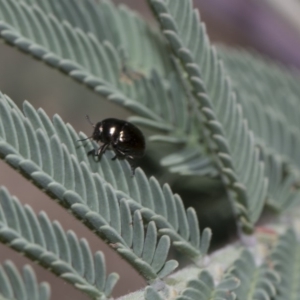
x=256, y=282
x=152, y=294
x=121, y=27
x=48, y=244
x=283, y=190
x=115, y=53
x=221, y=114
x=92, y=61
x=269, y=96
x=200, y=288
x=89, y=52
x=102, y=194
x=204, y=288
x=274, y=92
x=15, y=286
x=285, y=259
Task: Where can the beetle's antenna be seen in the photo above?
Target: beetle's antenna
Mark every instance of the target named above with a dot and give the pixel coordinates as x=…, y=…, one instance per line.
x=89, y=120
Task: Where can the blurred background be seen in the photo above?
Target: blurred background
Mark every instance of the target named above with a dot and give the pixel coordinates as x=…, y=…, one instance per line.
x=271, y=27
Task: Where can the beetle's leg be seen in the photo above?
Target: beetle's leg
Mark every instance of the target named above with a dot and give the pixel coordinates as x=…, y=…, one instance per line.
x=101, y=150
x=132, y=164
x=92, y=152
x=118, y=154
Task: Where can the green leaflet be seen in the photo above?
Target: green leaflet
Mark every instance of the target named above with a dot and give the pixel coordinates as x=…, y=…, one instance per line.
x=93, y=189
x=204, y=288
x=200, y=288
x=86, y=41
x=89, y=190
x=276, y=278
x=285, y=258
x=13, y=285
x=46, y=242
x=152, y=294
x=124, y=29
x=256, y=282
x=94, y=62
x=273, y=116
x=233, y=143
x=283, y=190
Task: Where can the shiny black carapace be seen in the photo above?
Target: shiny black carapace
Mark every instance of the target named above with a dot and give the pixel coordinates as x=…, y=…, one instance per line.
x=125, y=139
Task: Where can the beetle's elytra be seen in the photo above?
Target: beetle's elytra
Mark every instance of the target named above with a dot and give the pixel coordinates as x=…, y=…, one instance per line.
x=124, y=138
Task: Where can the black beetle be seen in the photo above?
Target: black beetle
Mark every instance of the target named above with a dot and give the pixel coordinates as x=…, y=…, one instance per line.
x=124, y=138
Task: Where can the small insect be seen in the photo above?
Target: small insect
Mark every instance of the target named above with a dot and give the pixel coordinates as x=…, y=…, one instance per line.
x=125, y=139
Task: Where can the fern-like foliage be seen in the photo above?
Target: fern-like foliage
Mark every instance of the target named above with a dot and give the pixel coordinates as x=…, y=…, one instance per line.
x=283, y=189
x=229, y=136
x=15, y=286
x=285, y=260
x=202, y=288
x=273, y=117
x=126, y=31
x=48, y=244
x=152, y=294
x=256, y=282
x=83, y=56
x=101, y=194
x=89, y=52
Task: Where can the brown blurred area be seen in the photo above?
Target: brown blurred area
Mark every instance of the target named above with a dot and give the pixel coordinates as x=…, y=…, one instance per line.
x=250, y=24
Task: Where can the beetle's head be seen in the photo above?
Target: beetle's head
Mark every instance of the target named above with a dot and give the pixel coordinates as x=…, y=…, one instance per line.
x=97, y=134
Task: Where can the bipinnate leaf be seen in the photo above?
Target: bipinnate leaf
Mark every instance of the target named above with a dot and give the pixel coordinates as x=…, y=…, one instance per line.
x=152, y=294
x=148, y=254
x=262, y=100
x=123, y=28
x=283, y=189
x=91, y=54
x=107, y=53
x=256, y=282
x=203, y=288
x=189, y=161
x=93, y=190
x=285, y=261
x=230, y=139
x=48, y=244
x=15, y=286
x=262, y=85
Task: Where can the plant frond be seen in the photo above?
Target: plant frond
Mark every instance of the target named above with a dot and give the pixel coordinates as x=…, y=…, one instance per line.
x=152, y=294
x=285, y=259
x=99, y=193
x=140, y=47
x=15, y=286
x=84, y=54
x=270, y=85
x=81, y=55
x=190, y=161
x=267, y=91
x=203, y=288
x=283, y=184
x=273, y=117
x=232, y=141
x=256, y=282
x=48, y=244
x=151, y=252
